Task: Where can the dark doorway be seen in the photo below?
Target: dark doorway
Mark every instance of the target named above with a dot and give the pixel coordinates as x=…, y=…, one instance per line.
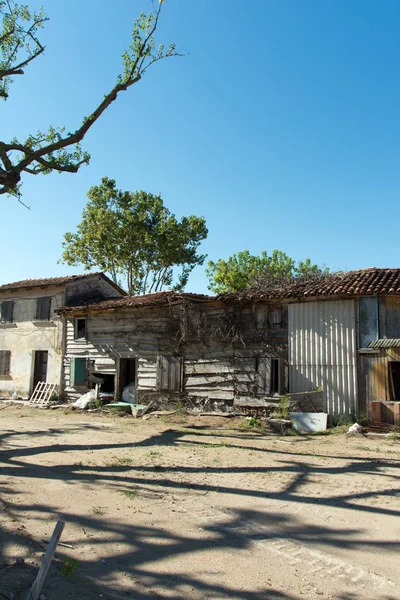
x=127, y=373
x=275, y=384
x=40, y=368
x=394, y=380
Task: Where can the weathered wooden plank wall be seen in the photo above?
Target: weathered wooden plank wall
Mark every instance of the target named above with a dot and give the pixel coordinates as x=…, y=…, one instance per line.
x=219, y=345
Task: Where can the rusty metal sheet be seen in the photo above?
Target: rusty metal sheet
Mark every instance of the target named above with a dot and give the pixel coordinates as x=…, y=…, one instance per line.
x=389, y=343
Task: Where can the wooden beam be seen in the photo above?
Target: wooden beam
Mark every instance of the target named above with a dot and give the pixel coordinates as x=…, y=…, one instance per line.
x=48, y=557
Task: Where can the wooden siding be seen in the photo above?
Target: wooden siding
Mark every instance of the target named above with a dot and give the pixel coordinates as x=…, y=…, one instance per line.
x=373, y=376
x=98, y=358
x=207, y=364
x=209, y=377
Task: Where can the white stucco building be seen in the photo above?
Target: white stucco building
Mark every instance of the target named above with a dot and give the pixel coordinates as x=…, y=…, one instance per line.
x=32, y=334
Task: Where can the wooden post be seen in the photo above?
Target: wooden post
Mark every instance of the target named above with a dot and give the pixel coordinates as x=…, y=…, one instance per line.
x=48, y=557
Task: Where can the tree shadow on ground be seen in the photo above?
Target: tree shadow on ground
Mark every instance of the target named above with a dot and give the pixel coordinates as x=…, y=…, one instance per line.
x=145, y=549
x=142, y=565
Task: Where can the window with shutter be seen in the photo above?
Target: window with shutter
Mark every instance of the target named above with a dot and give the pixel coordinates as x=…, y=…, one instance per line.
x=43, y=309
x=7, y=311
x=264, y=375
x=271, y=375
x=5, y=359
x=275, y=317
x=169, y=373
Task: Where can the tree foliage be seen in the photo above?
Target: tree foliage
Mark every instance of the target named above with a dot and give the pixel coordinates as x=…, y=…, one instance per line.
x=133, y=236
x=43, y=152
x=243, y=270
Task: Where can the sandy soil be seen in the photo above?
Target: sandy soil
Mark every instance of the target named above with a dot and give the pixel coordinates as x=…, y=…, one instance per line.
x=195, y=508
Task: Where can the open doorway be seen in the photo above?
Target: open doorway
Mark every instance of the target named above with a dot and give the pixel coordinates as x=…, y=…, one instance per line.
x=127, y=379
x=394, y=380
x=40, y=367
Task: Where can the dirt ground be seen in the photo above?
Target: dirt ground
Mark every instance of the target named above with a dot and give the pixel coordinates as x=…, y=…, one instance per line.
x=196, y=507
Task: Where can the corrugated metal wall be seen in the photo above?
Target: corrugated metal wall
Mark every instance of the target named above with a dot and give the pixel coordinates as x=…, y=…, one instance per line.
x=322, y=352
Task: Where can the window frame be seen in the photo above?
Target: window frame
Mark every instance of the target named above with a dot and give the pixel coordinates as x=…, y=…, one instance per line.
x=275, y=317
x=81, y=337
x=39, y=308
x=5, y=363
x=3, y=319
x=360, y=300
x=271, y=373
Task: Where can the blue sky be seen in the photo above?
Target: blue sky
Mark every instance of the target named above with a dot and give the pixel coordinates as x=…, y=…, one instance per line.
x=280, y=126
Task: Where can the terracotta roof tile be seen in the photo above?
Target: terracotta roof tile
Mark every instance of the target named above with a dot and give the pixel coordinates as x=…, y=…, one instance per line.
x=365, y=282
x=49, y=281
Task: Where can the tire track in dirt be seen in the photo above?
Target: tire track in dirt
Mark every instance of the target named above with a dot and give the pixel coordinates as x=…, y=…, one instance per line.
x=295, y=552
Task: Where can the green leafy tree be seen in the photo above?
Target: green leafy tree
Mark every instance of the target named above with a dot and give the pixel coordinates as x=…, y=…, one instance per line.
x=242, y=270
x=43, y=152
x=134, y=237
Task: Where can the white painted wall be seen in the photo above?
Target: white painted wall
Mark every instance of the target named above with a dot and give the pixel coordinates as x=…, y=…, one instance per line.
x=25, y=336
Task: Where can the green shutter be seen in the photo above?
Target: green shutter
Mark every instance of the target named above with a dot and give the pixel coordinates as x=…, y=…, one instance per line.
x=72, y=374
x=78, y=371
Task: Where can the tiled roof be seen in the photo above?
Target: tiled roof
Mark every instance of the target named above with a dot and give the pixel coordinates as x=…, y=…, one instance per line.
x=365, y=282
x=50, y=281
x=154, y=299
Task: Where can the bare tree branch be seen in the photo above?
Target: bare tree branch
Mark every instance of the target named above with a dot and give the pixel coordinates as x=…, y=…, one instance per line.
x=46, y=152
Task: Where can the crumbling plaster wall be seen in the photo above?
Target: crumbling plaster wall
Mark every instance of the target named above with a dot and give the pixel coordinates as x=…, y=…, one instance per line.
x=25, y=335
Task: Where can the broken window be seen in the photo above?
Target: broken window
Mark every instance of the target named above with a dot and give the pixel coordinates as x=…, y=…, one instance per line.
x=78, y=371
x=169, y=373
x=80, y=328
x=106, y=382
x=7, y=311
x=368, y=322
x=43, y=309
x=5, y=360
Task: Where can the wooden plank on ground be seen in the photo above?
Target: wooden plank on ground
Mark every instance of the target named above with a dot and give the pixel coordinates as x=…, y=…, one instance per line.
x=36, y=588
x=42, y=393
